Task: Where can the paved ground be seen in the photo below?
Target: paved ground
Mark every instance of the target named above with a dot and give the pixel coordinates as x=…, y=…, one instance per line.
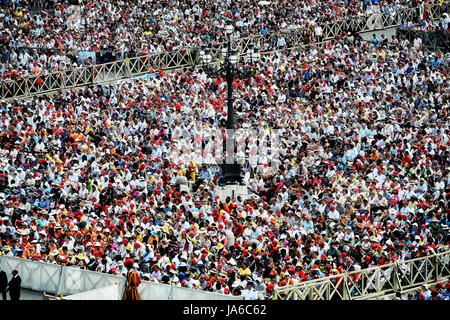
x=30, y=295
x=388, y=33
x=26, y=294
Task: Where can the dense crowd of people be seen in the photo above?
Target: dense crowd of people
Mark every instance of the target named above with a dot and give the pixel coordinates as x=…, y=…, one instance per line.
x=90, y=178
x=438, y=291
x=51, y=39
x=439, y=25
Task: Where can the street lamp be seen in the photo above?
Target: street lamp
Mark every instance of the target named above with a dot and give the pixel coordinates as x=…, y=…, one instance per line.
x=230, y=68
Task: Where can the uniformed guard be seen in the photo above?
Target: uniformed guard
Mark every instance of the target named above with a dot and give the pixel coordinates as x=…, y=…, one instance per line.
x=133, y=281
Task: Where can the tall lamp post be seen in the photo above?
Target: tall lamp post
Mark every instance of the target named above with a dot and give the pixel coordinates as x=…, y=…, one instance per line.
x=230, y=68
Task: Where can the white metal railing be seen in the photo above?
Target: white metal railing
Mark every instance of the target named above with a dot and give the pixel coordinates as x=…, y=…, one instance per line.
x=375, y=281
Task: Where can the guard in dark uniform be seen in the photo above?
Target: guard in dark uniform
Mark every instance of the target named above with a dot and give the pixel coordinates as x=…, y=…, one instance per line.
x=14, y=286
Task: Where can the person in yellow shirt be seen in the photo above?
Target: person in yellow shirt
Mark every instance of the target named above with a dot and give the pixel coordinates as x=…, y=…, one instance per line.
x=191, y=171
x=26, y=253
x=244, y=270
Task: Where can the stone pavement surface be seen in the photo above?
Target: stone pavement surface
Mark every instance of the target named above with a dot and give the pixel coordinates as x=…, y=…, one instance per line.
x=26, y=294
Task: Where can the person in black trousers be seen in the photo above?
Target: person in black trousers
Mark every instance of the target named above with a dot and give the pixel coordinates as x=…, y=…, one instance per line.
x=14, y=286
x=3, y=284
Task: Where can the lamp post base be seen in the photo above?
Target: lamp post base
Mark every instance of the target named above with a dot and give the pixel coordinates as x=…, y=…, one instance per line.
x=231, y=174
x=232, y=190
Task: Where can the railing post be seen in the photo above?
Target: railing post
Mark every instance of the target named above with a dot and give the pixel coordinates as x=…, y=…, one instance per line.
x=311, y=294
x=196, y=59
x=345, y=292
x=127, y=68
x=58, y=291
x=27, y=88
x=436, y=264
x=395, y=275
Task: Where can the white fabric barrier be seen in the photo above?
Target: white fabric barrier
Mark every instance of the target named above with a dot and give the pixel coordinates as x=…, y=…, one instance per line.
x=41, y=276
x=8, y=264
x=193, y=294
x=154, y=291
x=74, y=280
x=159, y=291
x=71, y=281
x=35, y=275
x=106, y=293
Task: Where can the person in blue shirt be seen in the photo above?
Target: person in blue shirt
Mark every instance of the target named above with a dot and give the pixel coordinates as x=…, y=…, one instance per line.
x=264, y=29
x=159, y=221
x=410, y=68
x=436, y=62
x=205, y=174
x=375, y=40
x=307, y=224
x=446, y=292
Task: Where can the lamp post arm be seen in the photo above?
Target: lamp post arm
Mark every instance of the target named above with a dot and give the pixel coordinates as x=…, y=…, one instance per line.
x=230, y=106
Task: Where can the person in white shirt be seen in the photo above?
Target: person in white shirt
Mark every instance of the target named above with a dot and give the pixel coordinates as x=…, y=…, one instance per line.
x=426, y=292
x=333, y=214
x=318, y=31
x=439, y=188
x=417, y=43
x=348, y=236
x=249, y=292
x=281, y=43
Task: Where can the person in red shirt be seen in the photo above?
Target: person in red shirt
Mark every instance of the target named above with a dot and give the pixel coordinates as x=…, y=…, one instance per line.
x=238, y=229
x=97, y=251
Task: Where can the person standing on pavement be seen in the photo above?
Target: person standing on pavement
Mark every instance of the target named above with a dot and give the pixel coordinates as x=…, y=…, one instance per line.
x=14, y=286
x=133, y=282
x=3, y=283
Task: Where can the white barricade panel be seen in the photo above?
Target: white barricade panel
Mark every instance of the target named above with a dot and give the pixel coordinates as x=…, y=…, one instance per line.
x=94, y=280
x=41, y=276
x=50, y=276
x=12, y=263
x=193, y=294
x=106, y=293
x=154, y=291
x=35, y=275
x=71, y=281
x=31, y=275
x=158, y=291
x=74, y=280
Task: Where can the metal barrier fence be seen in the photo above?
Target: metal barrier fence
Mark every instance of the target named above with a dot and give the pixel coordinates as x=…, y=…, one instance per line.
x=189, y=58
x=375, y=281
x=392, y=296
x=431, y=40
